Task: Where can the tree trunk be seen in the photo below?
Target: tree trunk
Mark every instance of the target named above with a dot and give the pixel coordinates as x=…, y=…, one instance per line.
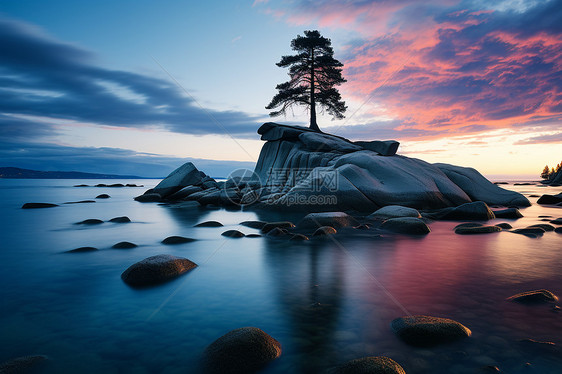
x=313, y=124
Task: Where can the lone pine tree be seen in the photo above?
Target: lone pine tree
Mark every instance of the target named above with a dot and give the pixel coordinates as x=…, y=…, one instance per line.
x=314, y=74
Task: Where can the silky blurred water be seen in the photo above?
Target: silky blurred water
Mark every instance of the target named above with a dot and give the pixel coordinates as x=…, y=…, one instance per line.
x=325, y=301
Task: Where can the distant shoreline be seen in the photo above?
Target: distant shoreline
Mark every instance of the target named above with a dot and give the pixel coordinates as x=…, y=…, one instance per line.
x=18, y=173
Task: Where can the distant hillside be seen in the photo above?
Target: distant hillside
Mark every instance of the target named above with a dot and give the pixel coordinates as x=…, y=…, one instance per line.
x=10, y=172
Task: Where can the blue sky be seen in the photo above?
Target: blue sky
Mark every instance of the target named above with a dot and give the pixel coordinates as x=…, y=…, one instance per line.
x=139, y=87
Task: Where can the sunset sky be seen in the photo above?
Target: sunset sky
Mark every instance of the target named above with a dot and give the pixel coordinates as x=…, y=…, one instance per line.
x=139, y=87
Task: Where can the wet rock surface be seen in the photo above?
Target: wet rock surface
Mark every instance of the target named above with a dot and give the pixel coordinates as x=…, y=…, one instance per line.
x=534, y=297
x=244, y=350
x=427, y=331
x=38, y=205
x=406, y=225
x=155, y=270
x=175, y=239
x=124, y=245
x=209, y=224
x=370, y=365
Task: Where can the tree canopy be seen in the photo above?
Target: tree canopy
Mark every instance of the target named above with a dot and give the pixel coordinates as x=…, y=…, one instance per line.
x=313, y=73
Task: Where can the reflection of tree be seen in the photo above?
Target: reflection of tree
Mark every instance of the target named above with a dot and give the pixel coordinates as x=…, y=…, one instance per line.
x=309, y=281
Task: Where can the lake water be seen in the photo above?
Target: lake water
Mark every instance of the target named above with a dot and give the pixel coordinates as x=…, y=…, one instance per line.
x=325, y=301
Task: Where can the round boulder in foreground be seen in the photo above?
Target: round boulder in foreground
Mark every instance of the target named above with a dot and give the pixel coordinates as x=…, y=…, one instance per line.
x=534, y=297
x=244, y=350
x=155, y=270
x=406, y=225
x=427, y=331
x=370, y=365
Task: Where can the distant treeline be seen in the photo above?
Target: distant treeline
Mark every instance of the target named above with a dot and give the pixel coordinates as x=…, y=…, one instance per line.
x=551, y=172
x=13, y=173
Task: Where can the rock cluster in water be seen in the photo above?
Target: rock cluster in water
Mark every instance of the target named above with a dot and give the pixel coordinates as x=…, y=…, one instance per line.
x=300, y=169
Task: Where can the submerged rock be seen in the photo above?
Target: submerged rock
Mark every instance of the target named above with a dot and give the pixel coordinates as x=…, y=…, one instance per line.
x=334, y=219
x=244, y=350
x=38, y=205
x=324, y=231
x=177, y=240
x=155, y=270
x=254, y=224
x=124, y=245
x=103, y=196
x=426, y=331
x=512, y=213
x=123, y=219
x=550, y=199
x=477, y=230
x=370, y=365
x=90, y=221
x=544, y=226
x=82, y=250
x=209, y=224
x=504, y=226
x=81, y=202
x=394, y=211
x=233, y=234
x=534, y=297
x=406, y=225
x=281, y=225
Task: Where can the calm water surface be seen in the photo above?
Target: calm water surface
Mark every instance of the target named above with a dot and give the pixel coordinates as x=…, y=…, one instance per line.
x=326, y=302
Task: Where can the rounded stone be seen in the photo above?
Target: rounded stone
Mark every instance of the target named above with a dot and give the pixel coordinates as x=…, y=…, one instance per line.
x=244, y=350
x=334, y=219
x=149, y=198
x=370, y=365
x=394, y=211
x=427, y=331
x=155, y=270
x=254, y=224
x=82, y=250
x=406, y=225
x=504, y=226
x=534, y=297
x=91, y=221
x=123, y=219
x=281, y=225
x=276, y=231
x=124, y=245
x=324, y=230
x=38, y=205
x=477, y=230
x=103, y=196
x=177, y=240
x=468, y=224
x=544, y=226
x=299, y=237
x=511, y=213
x=233, y=234
x=209, y=224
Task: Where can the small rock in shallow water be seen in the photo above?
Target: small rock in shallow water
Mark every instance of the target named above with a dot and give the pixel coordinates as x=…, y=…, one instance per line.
x=557, y=221
x=91, y=221
x=550, y=199
x=233, y=234
x=281, y=225
x=37, y=205
x=477, y=230
x=124, y=245
x=299, y=237
x=244, y=350
x=253, y=236
x=82, y=249
x=209, y=224
x=393, y=211
x=426, y=331
x=513, y=213
x=532, y=232
x=370, y=365
x=155, y=270
x=544, y=226
x=149, y=198
x=406, y=225
x=468, y=224
x=103, y=196
x=123, y=219
x=534, y=297
x=334, y=219
x=177, y=240
x=81, y=202
x=558, y=230
x=504, y=226
x=276, y=231
x=324, y=230
x=21, y=364
x=254, y=224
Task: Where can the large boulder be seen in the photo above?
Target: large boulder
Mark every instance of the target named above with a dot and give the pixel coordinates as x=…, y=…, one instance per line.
x=184, y=176
x=370, y=365
x=426, y=331
x=307, y=170
x=476, y=211
x=155, y=270
x=406, y=225
x=244, y=350
x=479, y=188
x=334, y=219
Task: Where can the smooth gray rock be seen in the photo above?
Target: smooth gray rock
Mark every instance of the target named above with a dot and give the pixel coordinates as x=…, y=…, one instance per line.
x=82, y=250
x=122, y=219
x=103, y=196
x=149, y=198
x=477, y=211
x=534, y=297
x=510, y=213
x=382, y=147
x=124, y=245
x=324, y=231
x=209, y=224
x=393, y=211
x=370, y=365
x=184, y=192
x=481, y=189
x=177, y=240
x=504, y=226
x=90, y=221
x=184, y=176
x=334, y=219
x=241, y=351
x=233, y=234
x=427, y=331
x=406, y=225
x=281, y=225
x=318, y=142
x=254, y=224
x=477, y=230
x=155, y=270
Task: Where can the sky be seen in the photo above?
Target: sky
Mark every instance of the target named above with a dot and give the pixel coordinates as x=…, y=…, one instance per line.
x=140, y=87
